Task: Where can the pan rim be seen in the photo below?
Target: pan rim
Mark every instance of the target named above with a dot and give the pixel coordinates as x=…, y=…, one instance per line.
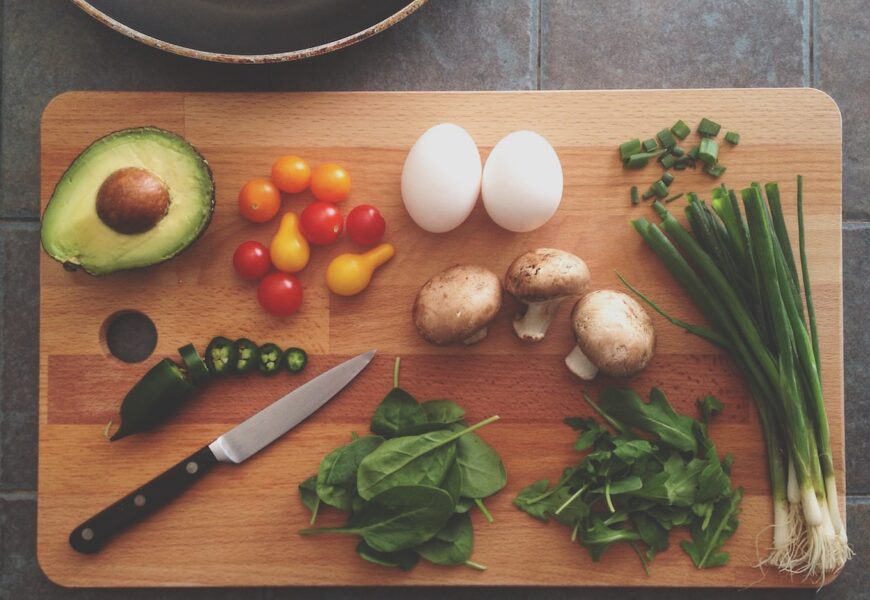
x=223, y=57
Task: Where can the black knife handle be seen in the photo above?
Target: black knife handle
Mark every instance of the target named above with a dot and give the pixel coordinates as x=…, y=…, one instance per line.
x=91, y=535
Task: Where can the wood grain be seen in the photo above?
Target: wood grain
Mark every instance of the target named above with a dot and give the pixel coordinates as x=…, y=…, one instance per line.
x=238, y=527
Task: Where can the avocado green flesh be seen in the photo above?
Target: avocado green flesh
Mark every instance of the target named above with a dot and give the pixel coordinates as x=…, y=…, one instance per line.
x=74, y=234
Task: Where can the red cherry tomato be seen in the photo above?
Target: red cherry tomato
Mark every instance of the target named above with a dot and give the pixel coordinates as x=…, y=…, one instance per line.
x=280, y=294
x=321, y=223
x=365, y=225
x=251, y=260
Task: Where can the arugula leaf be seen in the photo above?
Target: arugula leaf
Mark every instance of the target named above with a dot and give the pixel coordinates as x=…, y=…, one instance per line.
x=655, y=417
x=598, y=537
x=398, y=414
x=652, y=532
x=710, y=406
x=529, y=500
x=704, y=548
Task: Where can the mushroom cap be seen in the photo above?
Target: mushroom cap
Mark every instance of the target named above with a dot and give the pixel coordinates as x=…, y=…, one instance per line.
x=614, y=332
x=546, y=274
x=457, y=303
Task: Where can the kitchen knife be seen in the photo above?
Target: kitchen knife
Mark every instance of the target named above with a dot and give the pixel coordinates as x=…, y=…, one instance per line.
x=236, y=445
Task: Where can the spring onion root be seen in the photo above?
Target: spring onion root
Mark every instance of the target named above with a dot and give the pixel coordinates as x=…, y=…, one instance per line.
x=738, y=268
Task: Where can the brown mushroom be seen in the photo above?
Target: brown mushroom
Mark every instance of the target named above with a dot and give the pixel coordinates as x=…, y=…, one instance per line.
x=614, y=334
x=132, y=200
x=456, y=305
x=541, y=279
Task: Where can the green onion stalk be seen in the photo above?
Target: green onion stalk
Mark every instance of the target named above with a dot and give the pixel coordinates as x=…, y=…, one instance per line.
x=738, y=268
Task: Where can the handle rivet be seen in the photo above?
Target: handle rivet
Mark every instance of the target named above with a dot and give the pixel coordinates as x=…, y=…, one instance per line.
x=87, y=534
x=192, y=467
x=139, y=500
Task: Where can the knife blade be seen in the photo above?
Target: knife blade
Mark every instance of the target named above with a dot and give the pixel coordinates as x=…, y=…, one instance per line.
x=233, y=447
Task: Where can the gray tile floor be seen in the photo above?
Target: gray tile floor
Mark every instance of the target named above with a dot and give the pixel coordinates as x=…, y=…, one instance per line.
x=48, y=47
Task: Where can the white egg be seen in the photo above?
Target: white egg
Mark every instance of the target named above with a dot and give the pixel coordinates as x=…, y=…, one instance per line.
x=441, y=178
x=522, y=181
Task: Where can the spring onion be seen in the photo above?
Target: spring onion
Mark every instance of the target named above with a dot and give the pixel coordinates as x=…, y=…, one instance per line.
x=660, y=189
x=681, y=130
x=650, y=145
x=732, y=137
x=708, y=151
x=715, y=170
x=638, y=160
x=708, y=128
x=668, y=160
x=668, y=179
x=739, y=270
x=628, y=148
x=635, y=198
x=666, y=138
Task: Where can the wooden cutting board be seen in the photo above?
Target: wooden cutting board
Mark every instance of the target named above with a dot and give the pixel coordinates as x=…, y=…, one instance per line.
x=238, y=527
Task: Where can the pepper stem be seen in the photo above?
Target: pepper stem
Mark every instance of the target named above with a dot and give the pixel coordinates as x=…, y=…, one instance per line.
x=396, y=371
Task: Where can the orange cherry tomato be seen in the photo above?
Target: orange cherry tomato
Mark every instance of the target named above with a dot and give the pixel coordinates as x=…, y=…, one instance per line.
x=330, y=183
x=259, y=200
x=291, y=174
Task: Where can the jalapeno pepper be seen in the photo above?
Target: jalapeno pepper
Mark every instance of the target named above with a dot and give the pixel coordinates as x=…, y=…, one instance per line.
x=247, y=355
x=295, y=360
x=270, y=358
x=163, y=388
x=196, y=368
x=220, y=356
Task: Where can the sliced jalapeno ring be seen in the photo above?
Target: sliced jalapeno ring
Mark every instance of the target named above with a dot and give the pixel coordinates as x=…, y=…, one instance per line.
x=197, y=370
x=247, y=355
x=220, y=356
x=270, y=358
x=295, y=360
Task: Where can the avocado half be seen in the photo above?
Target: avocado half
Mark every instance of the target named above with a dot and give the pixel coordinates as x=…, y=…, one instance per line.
x=131, y=199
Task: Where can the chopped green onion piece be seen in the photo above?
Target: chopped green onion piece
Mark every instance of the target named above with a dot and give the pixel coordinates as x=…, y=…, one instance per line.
x=660, y=189
x=669, y=161
x=635, y=198
x=693, y=153
x=732, y=137
x=668, y=179
x=708, y=128
x=639, y=160
x=648, y=194
x=683, y=162
x=628, y=148
x=667, y=138
x=715, y=170
x=681, y=130
x=709, y=151
x=680, y=166
x=672, y=198
x=677, y=151
x=650, y=145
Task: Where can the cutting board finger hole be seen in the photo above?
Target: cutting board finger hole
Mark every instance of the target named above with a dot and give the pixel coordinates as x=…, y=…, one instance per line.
x=129, y=336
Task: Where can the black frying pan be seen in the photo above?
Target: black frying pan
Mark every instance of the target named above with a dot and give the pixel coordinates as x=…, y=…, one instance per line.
x=249, y=31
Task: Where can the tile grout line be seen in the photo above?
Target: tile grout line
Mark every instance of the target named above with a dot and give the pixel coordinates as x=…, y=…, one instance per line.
x=540, y=45
x=17, y=495
x=814, y=14
x=807, y=49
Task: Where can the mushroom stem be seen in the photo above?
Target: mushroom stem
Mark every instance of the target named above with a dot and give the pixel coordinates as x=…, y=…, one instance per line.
x=532, y=324
x=475, y=337
x=580, y=365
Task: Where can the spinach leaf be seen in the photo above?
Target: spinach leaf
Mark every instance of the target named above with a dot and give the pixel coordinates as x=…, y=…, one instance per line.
x=308, y=495
x=481, y=470
x=401, y=559
x=463, y=505
x=397, y=519
x=656, y=417
x=705, y=547
x=336, y=479
x=398, y=414
x=452, y=545
x=453, y=482
x=421, y=459
x=442, y=412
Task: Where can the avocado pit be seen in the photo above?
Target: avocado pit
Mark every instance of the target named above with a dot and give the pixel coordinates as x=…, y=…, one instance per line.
x=132, y=200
